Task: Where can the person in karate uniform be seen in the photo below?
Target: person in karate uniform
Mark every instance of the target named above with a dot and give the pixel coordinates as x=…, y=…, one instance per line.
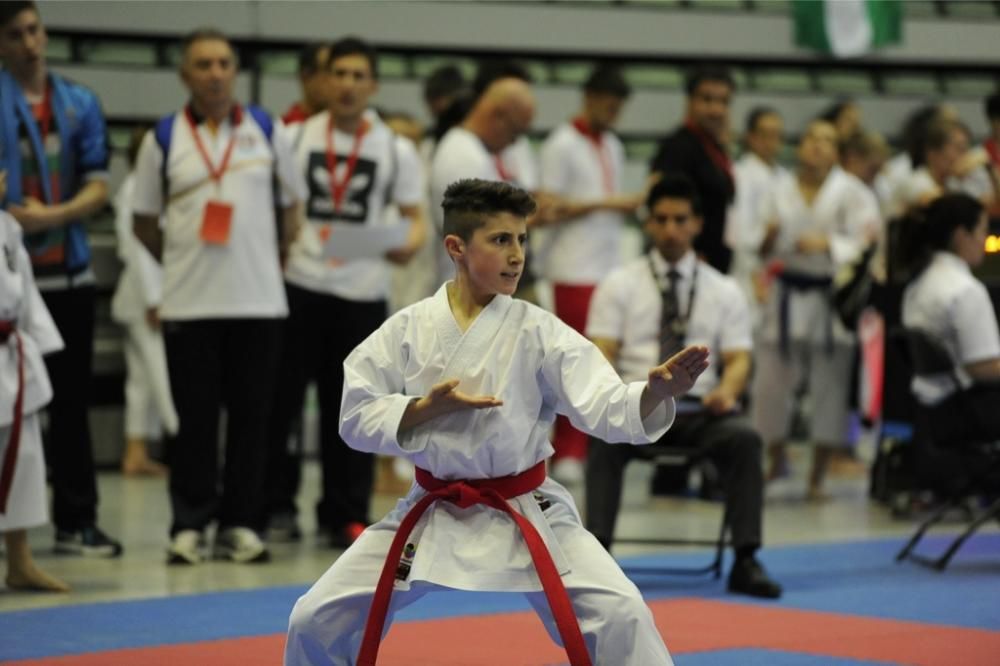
x=26, y=333
x=467, y=384
x=818, y=222
x=149, y=409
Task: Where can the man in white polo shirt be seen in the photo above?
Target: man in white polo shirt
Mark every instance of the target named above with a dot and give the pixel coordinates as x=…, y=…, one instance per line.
x=353, y=166
x=583, y=163
x=212, y=170
x=644, y=311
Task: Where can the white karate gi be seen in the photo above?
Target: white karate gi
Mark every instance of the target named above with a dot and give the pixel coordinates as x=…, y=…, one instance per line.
x=148, y=403
x=745, y=226
x=847, y=211
x=27, y=504
x=538, y=366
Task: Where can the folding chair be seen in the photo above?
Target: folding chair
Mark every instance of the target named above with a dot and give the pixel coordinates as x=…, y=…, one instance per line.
x=682, y=456
x=959, y=470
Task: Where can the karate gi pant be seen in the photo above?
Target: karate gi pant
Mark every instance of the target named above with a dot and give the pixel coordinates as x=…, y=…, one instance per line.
x=149, y=408
x=729, y=442
x=328, y=622
x=27, y=504
x=321, y=330
x=69, y=451
x=215, y=364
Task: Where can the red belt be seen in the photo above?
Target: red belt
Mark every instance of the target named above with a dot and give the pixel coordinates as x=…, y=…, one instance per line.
x=8, y=329
x=494, y=493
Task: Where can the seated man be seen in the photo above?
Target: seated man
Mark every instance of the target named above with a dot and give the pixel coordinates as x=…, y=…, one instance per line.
x=643, y=311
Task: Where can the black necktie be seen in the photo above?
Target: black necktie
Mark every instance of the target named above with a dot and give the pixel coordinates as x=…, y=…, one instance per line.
x=672, y=325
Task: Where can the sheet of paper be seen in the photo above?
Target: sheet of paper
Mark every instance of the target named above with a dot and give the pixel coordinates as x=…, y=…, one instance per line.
x=354, y=241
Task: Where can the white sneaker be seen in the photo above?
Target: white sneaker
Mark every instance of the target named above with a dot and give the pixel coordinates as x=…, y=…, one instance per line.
x=185, y=548
x=240, y=544
x=568, y=471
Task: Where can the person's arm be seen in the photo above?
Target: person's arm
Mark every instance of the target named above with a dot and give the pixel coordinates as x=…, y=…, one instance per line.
x=416, y=237
x=725, y=397
x=987, y=371
x=35, y=216
x=444, y=398
x=291, y=224
x=673, y=378
x=147, y=197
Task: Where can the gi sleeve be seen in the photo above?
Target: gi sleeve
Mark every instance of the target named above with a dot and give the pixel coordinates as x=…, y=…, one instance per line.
x=863, y=221
x=590, y=393
x=373, y=400
x=37, y=321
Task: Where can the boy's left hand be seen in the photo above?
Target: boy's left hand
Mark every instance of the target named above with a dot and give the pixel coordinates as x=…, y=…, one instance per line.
x=678, y=374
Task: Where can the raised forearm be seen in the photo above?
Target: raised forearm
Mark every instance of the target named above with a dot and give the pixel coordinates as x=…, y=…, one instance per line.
x=91, y=198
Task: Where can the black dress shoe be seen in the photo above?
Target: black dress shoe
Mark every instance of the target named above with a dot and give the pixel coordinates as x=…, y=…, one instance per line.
x=748, y=577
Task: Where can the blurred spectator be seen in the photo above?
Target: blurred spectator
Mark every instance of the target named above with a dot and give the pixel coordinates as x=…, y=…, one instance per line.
x=206, y=171
x=149, y=409
x=645, y=311
x=942, y=244
x=314, y=78
x=698, y=150
x=442, y=87
x=583, y=163
x=55, y=154
x=757, y=173
x=947, y=165
x=350, y=166
x=992, y=143
x=817, y=222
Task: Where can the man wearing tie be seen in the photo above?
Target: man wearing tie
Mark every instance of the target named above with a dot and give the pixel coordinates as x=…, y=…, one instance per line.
x=645, y=311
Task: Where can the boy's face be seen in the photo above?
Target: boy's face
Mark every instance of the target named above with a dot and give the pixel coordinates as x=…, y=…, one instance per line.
x=22, y=42
x=493, y=258
x=672, y=226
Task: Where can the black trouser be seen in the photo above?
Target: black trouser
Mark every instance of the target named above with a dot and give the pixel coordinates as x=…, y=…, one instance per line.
x=69, y=454
x=730, y=443
x=214, y=364
x=320, y=332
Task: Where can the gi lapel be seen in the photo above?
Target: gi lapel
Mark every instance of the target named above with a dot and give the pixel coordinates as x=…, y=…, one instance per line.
x=466, y=350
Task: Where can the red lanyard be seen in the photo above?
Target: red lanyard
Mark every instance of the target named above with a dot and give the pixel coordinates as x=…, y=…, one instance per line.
x=607, y=174
x=337, y=190
x=993, y=151
x=715, y=153
x=215, y=174
x=505, y=175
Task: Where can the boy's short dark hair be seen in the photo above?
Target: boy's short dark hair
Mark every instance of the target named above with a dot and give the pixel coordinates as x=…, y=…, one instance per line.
x=992, y=106
x=307, y=59
x=468, y=202
x=355, y=46
x=8, y=10
x=607, y=80
x=704, y=73
x=675, y=185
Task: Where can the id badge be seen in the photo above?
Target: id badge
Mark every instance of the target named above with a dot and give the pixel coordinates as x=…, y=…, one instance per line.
x=216, y=221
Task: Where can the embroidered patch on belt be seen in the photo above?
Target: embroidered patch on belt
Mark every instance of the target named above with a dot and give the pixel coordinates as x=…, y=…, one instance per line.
x=8, y=253
x=405, y=562
x=543, y=502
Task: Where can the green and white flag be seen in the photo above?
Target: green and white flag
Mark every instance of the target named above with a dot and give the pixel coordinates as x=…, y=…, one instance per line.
x=847, y=28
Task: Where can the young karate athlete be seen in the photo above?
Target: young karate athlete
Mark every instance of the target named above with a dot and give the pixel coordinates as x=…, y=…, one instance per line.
x=466, y=384
x=26, y=332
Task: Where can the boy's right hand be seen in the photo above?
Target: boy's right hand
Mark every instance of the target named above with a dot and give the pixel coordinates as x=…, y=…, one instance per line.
x=443, y=399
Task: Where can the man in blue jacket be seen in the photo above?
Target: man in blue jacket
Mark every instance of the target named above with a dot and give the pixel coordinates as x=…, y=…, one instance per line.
x=54, y=158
